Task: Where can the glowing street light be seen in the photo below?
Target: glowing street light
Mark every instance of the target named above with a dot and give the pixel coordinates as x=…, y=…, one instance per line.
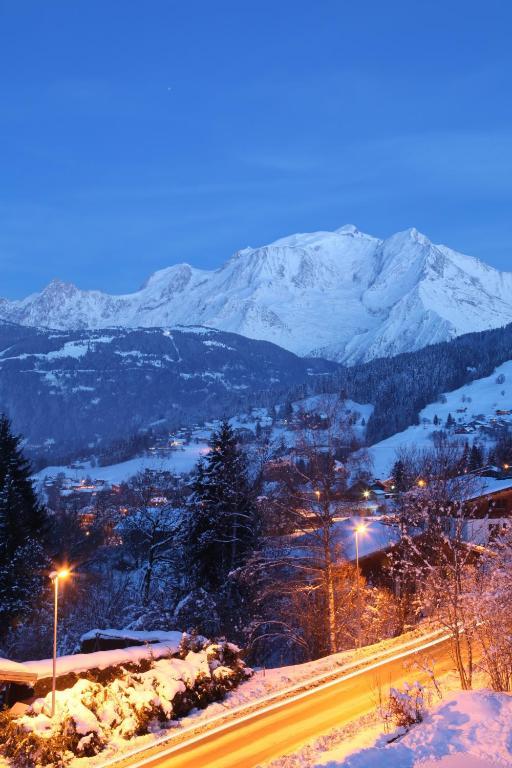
x=55, y=576
x=317, y=494
x=358, y=530
x=422, y=483
x=366, y=494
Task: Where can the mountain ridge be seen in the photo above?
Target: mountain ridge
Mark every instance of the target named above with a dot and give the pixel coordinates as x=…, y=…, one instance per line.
x=344, y=295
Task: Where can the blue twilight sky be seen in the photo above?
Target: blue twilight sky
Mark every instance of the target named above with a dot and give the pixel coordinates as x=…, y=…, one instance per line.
x=135, y=134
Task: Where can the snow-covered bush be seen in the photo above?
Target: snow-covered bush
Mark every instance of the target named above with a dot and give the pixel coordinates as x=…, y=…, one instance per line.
x=133, y=702
x=405, y=707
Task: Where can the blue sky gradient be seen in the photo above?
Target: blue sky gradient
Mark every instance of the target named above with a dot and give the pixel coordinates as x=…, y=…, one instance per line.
x=137, y=135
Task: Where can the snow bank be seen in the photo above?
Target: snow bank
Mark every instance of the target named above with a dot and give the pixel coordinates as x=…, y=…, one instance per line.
x=91, y=715
x=472, y=729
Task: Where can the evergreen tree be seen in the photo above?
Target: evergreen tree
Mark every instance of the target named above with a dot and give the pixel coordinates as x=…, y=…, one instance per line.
x=221, y=525
x=464, y=459
x=22, y=525
x=476, y=458
x=399, y=475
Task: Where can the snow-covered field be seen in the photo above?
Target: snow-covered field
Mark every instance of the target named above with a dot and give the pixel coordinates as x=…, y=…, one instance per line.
x=179, y=461
x=481, y=398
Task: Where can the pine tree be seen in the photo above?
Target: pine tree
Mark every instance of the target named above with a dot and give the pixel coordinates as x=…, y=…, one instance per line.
x=399, y=475
x=476, y=458
x=221, y=526
x=464, y=459
x=22, y=525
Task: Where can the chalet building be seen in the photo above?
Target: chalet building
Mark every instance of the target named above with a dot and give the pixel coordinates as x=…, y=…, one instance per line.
x=489, y=510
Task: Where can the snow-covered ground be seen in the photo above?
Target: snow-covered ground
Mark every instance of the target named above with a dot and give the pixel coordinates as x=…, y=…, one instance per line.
x=184, y=458
x=481, y=398
x=470, y=729
x=179, y=461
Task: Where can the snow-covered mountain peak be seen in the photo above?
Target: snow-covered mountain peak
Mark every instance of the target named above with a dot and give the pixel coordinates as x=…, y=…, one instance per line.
x=349, y=229
x=418, y=237
x=404, y=241
x=178, y=276
x=322, y=239
x=342, y=294
x=59, y=287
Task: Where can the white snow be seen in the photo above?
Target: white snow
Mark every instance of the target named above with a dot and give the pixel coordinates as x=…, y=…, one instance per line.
x=13, y=671
x=481, y=398
x=81, y=662
x=153, y=636
x=472, y=729
x=343, y=294
x=179, y=461
x=377, y=535
x=114, y=712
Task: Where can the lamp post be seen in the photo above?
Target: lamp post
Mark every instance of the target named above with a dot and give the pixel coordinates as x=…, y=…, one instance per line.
x=63, y=573
x=358, y=530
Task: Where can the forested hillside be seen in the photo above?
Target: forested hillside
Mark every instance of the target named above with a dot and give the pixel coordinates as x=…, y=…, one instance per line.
x=399, y=387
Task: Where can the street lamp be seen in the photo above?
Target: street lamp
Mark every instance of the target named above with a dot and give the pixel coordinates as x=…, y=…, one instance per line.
x=366, y=494
x=55, y=576
x=359, y=529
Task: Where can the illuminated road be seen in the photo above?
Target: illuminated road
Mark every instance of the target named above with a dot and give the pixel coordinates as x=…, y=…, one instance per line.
x=284, y=727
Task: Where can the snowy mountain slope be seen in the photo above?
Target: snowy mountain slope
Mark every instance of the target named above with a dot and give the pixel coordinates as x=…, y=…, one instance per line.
x=473, y=407
x=343, y=295
x=67, y=389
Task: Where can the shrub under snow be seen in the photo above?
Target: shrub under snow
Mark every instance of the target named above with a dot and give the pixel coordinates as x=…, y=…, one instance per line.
x=405, y=707
x=90, y=714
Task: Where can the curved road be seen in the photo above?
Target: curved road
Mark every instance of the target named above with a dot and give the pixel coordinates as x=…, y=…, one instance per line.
x=284, y=727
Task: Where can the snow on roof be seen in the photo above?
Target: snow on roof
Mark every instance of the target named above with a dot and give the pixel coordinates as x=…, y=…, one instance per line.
x=489, y=486
x=81, y=662
x=157, y=636
x=376, y=536
x=12, y=671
